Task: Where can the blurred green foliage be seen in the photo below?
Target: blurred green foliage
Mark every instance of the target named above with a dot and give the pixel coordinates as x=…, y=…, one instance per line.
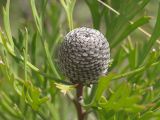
x=31, y=85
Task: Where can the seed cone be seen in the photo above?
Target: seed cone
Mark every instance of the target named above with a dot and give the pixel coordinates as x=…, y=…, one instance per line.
x=84, y=55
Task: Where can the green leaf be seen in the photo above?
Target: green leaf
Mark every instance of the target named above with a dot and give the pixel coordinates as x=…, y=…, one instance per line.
x=133, y=55
x=34, y=48
x=5, y=43
x=69, y=6
x=50, y=60
x=95, y=12
x=18, y=87
x=150, y=115
x=155, y=35
x=37, y=18
x=121, y=100
x=102, y=85
x=8, y=105
x=7, y=23
x=33, y=96
x=120, y=92
x=130, y=28
x=25, y=53
x=152, y=58
x=116, y=25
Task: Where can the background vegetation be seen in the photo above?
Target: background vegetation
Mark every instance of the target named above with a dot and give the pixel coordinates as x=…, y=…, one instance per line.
x=32, y=87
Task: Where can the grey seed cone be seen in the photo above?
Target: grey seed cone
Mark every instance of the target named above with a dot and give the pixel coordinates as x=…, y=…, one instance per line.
x=84, y=55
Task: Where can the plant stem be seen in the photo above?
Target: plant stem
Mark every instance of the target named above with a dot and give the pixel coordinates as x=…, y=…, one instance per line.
x=25, y=54
x=134, y=71
x=79, y=92
x=70, y=21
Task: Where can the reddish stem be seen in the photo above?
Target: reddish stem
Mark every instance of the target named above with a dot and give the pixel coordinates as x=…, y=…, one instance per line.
x=79, y=92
